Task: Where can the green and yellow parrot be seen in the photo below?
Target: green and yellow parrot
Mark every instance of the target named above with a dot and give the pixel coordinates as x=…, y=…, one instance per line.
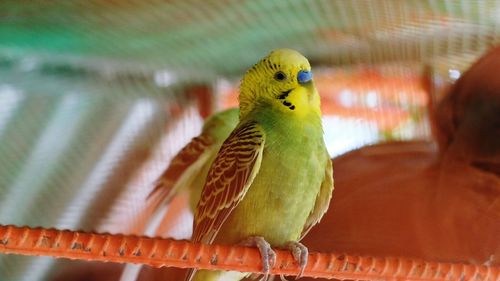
x=271, y=180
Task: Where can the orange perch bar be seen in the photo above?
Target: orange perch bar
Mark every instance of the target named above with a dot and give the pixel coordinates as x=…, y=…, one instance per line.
x=159, y=252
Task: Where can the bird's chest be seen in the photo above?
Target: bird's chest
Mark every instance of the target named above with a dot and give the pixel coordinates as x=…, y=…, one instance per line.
x=291, y=161
x=284, y=191
x=288, y=171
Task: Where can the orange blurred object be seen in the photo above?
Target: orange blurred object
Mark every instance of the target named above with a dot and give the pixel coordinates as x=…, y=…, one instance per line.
x=411, y=199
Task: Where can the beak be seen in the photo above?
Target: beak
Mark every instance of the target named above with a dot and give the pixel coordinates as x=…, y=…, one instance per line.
x=304, y=76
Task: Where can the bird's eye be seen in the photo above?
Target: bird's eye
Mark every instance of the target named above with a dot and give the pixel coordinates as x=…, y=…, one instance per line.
x=280, y=76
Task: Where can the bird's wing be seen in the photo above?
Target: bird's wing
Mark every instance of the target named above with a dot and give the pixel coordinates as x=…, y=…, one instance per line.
x=322, y=200
x=164, y=189
x=229, y=178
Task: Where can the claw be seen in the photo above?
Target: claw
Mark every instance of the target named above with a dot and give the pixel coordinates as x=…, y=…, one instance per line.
x=267, y=254
x=300, y=254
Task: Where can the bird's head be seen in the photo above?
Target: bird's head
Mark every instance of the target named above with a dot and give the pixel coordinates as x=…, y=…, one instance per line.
x=282, y=80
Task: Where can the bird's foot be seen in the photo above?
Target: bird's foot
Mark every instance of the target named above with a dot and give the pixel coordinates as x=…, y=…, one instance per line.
x=267, y=254
x=300, y=254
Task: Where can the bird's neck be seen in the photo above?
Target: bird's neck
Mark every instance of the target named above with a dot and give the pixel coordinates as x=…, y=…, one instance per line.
x=284, y=123
x=298, y=104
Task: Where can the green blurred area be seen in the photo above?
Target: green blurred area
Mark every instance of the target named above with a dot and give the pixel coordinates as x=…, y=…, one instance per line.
x=225, y=37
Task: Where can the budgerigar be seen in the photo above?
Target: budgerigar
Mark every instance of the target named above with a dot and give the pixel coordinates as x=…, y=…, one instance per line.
x=272, y=178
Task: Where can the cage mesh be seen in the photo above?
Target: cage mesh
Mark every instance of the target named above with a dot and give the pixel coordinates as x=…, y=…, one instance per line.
x=97, y=96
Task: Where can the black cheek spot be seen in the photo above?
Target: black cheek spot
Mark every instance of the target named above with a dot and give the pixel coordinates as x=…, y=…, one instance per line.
x=284, y=95
x=285, y=103
x=292, y=107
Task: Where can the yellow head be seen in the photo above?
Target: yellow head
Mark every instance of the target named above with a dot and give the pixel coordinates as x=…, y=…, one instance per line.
x=282, y=80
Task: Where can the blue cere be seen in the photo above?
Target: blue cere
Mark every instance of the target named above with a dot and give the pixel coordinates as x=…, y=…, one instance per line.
x=304, y=76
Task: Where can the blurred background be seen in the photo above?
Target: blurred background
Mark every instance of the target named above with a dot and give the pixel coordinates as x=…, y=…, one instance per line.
x=97, y=96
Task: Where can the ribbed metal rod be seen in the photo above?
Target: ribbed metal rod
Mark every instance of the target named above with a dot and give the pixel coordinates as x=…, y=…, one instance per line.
x=159, y=252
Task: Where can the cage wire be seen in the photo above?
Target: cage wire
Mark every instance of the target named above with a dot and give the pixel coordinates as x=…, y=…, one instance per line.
x=96, y=97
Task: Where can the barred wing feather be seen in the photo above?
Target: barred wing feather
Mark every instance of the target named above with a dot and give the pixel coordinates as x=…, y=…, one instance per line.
x=229, y=178
x=166, y=183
